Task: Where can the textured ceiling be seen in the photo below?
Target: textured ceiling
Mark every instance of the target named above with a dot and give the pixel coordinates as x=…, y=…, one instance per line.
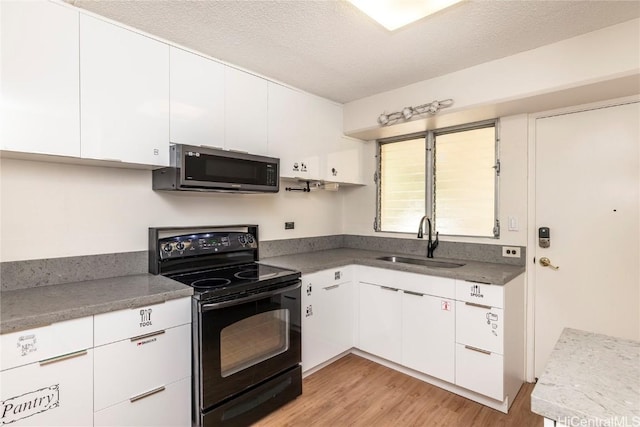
x=333, y=50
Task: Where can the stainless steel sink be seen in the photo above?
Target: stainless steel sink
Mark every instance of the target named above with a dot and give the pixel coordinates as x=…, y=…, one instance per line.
x=424, y=262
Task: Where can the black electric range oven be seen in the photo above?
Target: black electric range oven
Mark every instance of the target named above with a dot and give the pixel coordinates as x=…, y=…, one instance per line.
x=246, y=321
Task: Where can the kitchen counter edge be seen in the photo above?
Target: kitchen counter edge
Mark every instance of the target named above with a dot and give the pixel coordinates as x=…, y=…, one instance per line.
x=475, y=271
x=41, y=306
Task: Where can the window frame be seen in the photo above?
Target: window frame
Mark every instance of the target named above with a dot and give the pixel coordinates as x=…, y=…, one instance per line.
x=430, y=137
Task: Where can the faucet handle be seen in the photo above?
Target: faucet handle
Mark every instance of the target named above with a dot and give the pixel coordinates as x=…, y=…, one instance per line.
x=435, y=243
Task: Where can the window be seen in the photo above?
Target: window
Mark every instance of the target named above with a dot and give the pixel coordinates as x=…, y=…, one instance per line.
x=450, y=175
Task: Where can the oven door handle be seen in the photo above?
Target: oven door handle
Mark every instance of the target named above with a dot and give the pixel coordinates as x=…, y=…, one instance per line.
x=223, y=304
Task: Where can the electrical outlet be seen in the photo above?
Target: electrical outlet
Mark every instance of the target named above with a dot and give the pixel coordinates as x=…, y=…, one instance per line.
x=289, y=225
x=511, y=251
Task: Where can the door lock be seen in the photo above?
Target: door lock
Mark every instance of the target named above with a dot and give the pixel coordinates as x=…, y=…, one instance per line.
x=546, y=262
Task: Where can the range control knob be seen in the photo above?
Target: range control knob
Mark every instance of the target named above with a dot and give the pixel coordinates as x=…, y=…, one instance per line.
x=180, y=246
x=242, y=239
x=167, y=248
x=249, y=238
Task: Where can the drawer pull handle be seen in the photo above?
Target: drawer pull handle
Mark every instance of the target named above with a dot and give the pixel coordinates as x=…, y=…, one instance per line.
x=149, y=335
x=418, y=294
x=328, y=288
x=63, y=357
x=387, y=288
x=146, y=394
x=473, y=304
x=468, y=347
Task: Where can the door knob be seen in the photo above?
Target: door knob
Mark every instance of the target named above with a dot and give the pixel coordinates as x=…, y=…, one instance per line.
x=546, y=262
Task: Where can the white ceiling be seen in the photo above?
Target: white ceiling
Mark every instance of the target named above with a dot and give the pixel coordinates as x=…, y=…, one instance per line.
x=331, y=49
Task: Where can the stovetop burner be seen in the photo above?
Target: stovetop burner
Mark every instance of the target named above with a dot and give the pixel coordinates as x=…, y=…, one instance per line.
x=235, y=279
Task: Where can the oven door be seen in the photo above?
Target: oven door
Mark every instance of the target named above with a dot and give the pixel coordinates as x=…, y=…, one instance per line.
x=246, y=341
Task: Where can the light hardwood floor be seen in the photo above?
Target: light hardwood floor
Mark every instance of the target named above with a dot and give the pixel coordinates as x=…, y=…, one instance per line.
x=354, y=391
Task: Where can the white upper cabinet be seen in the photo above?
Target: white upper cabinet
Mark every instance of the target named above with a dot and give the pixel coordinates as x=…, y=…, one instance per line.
x=343, y=163
x=124, y=94
x=245, y=112
x=293, y=137
x=39, y=69
x=197, y=99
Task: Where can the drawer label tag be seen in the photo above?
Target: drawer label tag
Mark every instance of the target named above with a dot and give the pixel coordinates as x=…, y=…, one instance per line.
x=29, y=404
x=27, y=344
x=145, y=317
x=445, y=305
x=476, y=291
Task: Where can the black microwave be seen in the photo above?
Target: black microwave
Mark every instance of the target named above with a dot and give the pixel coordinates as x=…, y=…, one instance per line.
x=210, y=169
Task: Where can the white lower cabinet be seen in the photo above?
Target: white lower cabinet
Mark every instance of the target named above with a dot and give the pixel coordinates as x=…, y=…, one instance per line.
x=129, y=368
x=380, y=321
x=480, y=371
x=428, y=334
x=138, y=373
x=169, y=405
x=138, y=377
x=54, y=392
x=328, y=315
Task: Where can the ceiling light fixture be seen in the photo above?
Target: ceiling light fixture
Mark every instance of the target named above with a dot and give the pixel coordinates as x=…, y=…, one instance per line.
x=408, y=112
x=393, y=14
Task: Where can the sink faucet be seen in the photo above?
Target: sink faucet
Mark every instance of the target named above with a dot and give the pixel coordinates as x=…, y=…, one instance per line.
x=431, y=244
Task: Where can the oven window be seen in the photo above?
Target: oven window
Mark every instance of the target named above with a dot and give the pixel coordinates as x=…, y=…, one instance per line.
x=253, y=340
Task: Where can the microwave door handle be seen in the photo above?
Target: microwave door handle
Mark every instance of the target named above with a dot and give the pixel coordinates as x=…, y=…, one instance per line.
x=223, y=304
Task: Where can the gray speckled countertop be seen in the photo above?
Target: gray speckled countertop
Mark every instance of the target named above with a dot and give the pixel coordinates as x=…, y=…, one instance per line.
x=591, y=379
x=34, y=307
x=310, y=262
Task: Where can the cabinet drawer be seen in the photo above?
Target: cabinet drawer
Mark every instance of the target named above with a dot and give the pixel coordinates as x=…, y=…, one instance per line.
x=50, y=394
x=312, y=283
x=480, y=326
x=170, y=406
x=127, y=368
x=480, y=293
x=480, y=371
x=124, y=324
x=413, y=282
x=33, y=345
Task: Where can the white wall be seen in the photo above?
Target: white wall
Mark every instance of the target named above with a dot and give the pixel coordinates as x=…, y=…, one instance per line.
x=51, y=210
x=360, y=202
x=604, y=55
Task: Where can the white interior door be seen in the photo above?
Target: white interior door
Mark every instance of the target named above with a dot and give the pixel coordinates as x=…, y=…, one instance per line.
x=587, y=187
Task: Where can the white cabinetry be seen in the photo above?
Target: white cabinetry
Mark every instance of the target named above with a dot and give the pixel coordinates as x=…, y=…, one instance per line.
x=245, y=112
x=292, y=136
x=305, y=132
x=343, y=162
x=143, y=365
x=124, y=94
x=47, y=375
x=420, y=334
x=428, y=334
x=197, y=99
x=328, y=315
x=380, y=321
x=489, y=338
x=40, y=72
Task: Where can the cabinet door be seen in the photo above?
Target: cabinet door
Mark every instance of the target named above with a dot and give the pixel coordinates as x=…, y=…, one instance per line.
x=335, y=316
x=311, y=343
x=197, y=99
x=292, y=134
x=343, y=163
x=380, y=321
x=245, y=112
x=428, y=335
x=124, y=94
x=163, y=406
x=40, y=72
x=50, y=393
